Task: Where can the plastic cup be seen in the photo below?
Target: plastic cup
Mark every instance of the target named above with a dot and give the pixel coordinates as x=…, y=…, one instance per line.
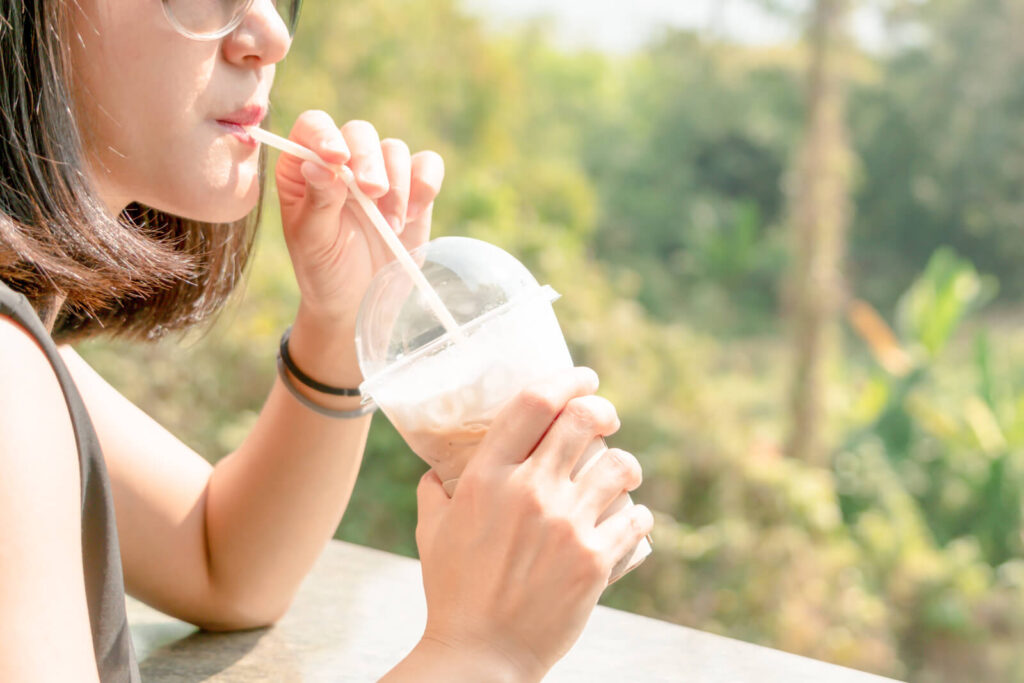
x=441, y=393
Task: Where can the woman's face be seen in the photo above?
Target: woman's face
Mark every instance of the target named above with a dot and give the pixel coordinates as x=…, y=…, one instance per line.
x=154, y=106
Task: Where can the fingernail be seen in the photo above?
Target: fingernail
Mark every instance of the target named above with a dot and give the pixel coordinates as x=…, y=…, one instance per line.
x=316, y=175
x=414, y=210
x=396, y=224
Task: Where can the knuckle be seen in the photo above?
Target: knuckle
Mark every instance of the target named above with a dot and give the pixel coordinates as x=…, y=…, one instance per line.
x=562, y=529
x=360, y=155
x=531, y=503
x=394, y=201
x=616, y=467
x=581, y=409
x=320, y=200
x=539, y=400
x=625, y=468
x=594, y=414
x=592, y=565
x=363, y=154
x=522, y=491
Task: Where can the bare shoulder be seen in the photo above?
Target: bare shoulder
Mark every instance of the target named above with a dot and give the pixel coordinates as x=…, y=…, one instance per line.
x=29, y=392
x=38, y=451
x=42, y=593
x=37, y=443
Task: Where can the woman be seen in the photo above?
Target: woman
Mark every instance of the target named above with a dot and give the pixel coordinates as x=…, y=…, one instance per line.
x=129, y=193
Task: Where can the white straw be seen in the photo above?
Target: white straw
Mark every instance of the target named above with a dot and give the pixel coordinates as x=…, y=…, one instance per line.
x=376, y=217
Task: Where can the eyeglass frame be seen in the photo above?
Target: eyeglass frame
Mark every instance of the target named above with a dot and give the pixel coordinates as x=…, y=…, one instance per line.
x=231, y=26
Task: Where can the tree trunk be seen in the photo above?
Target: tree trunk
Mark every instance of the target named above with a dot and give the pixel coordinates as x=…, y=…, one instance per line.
x=820, y=211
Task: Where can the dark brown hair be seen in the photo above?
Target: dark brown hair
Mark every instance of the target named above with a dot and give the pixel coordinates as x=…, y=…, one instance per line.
x=140, y=274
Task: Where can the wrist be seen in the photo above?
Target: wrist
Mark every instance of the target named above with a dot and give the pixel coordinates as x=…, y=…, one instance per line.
x=466, y=661
x=326, y=353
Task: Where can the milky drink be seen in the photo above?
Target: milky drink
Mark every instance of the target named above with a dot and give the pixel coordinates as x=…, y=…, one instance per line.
x=443, y=397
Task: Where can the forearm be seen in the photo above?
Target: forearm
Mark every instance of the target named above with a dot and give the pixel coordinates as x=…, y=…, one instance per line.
x=275, y=502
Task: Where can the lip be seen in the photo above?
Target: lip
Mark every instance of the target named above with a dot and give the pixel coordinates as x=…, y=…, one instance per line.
x=237, y=121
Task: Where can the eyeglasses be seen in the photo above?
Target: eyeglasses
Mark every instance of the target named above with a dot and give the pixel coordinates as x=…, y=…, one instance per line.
x=214, y=19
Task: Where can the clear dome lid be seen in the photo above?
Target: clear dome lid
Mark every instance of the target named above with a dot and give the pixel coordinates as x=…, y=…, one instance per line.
x=472, y=279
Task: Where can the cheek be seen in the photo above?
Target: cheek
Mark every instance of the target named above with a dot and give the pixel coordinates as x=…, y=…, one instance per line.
x=126, y=71
x=136, y=95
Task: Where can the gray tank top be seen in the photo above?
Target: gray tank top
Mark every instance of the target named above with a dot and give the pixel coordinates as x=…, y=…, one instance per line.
x=101, y=555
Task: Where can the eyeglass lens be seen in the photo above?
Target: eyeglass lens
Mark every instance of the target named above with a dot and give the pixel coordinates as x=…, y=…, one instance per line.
x=209, y=17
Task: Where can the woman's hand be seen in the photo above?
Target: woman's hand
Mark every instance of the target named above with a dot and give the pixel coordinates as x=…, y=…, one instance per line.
x=514, y=563
x=334, y=248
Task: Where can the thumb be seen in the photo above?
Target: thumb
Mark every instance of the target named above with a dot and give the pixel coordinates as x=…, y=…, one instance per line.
x=324, y=193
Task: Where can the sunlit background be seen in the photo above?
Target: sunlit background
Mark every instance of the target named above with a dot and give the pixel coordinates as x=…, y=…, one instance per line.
x=788, y=236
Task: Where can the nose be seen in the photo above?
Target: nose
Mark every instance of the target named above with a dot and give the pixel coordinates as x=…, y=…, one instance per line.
x=261, y=39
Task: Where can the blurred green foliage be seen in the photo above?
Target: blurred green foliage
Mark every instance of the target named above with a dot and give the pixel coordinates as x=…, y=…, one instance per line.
x=650, y=191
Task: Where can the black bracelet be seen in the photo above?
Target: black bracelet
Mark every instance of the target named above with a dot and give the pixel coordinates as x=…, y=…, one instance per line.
x=326, y=412
x=306, y=379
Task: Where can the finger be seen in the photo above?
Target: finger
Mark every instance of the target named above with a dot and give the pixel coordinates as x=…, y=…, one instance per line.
x=613, y=473
x=367, y=160
x=430, y=501
x=583, y=420
x=427, y=177
x=521, y=424
x=398, y=162
x=622, y=532
x=317, y=131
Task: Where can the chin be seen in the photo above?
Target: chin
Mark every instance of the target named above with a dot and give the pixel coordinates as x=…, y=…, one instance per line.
x=232, y=211
x=225, y=206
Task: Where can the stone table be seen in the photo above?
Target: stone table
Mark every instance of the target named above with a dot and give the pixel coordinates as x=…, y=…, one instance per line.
x=361, y=610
